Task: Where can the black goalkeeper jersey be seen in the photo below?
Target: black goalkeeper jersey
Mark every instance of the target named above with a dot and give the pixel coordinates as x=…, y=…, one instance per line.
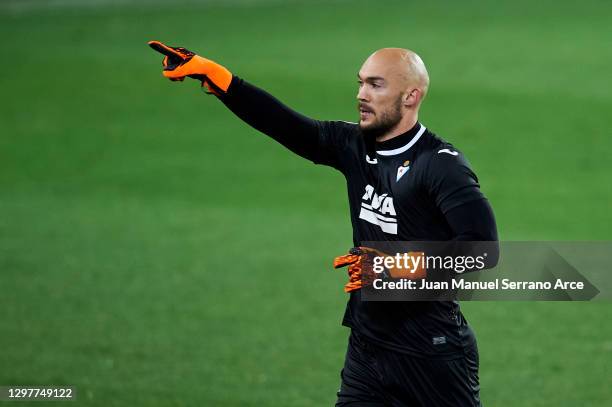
x=402, y=189
x=398, y=190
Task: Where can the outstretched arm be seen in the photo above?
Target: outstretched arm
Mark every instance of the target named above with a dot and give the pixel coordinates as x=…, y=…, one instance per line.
x=267, y=114
x=256, y=107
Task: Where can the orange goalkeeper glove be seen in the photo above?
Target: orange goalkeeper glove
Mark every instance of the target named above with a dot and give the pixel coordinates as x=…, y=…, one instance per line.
x=360, y=262
x=180, y=62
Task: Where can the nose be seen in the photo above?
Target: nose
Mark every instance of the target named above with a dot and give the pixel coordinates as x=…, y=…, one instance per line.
x=362, y=94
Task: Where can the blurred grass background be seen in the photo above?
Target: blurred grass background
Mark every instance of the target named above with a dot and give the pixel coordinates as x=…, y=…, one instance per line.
x=154, y=250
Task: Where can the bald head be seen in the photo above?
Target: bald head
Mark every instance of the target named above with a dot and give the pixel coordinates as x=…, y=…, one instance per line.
x=403, y=68
x=392, y=84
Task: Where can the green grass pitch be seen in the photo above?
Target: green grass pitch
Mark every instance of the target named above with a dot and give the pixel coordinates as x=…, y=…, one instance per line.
x=156, y=251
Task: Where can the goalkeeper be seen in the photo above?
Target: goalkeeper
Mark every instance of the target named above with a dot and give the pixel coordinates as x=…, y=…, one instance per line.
x=404, y=183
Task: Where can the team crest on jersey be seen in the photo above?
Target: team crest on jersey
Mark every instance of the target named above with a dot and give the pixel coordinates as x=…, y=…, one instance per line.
x=378, y=210
x=402, y=169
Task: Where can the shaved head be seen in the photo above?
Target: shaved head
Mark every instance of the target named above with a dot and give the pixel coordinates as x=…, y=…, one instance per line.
x=393, y=82
x=401, y=66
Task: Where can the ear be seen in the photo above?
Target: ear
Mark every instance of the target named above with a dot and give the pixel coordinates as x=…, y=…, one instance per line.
x=413, y=97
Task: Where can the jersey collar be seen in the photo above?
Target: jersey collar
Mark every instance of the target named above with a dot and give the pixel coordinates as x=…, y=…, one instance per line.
x=401, y=143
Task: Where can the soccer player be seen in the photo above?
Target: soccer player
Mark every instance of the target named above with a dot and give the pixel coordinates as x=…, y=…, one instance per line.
x=404, y=184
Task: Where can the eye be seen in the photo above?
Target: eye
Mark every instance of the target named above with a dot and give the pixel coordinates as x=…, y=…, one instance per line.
x=375, y=85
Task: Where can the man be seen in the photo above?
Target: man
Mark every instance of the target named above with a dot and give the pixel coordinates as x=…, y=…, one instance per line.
x=404, y=184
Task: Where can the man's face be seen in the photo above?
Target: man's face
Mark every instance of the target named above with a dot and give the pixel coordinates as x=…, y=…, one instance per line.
x=379, y=98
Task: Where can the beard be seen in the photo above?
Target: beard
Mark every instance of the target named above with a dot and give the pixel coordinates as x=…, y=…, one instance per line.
x=387, y=121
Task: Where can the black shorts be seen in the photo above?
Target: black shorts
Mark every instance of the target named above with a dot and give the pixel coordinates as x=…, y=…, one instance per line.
x=375, y=376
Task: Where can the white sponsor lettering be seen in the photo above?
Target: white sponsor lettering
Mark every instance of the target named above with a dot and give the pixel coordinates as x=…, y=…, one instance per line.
x=378, y=210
